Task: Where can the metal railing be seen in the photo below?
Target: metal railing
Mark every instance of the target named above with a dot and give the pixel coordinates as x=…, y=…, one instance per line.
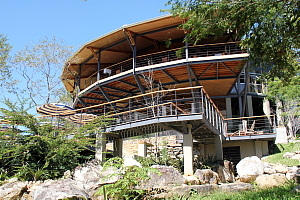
x=255, y=125
x=168, y=103
x=168, y=56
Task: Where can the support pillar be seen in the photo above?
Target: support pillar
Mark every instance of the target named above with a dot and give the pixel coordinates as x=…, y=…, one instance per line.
x=228, y=108
x=258, y=149
x=218, y=147
x=100, y=146
x=118, y=148
x=142, y=149
x=249, y=106
x=188, y=151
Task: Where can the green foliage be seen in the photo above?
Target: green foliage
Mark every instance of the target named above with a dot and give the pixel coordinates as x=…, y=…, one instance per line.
x=42, y=151
x=126, y=186
x=269, y=29
x=201, y=162
x=162, y=157
x=283, y=148
x=282, y=192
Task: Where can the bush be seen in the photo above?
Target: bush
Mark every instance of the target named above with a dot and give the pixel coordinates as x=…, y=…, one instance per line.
x=44, y=152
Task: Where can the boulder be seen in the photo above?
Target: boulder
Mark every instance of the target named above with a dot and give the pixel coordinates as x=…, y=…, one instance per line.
x=236, y=187
x=167, y=176
x=130, y=161
x=266, y=181
x=249, y=168
x=297, y=157
x=207, y=176
x=191, y=180
x=56, y=189
x=280, y=169
x=288, y=155
x=269, y=170
x=187, y=190
x=226, y=172
x=12, y=190
x=297, y=188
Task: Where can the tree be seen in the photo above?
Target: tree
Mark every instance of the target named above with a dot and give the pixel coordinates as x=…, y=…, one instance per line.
x=39, y=67
x=31, y=148
x=4, y=58
x=287, y=99
x=268, y=29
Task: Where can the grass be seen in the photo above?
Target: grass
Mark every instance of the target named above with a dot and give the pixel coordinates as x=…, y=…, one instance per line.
x=281, y=150
x=282, y=192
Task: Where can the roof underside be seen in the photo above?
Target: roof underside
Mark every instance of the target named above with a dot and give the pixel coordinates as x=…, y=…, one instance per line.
x=149, y=37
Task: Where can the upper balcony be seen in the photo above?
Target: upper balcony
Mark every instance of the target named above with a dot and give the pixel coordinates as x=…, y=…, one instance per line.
x=135, y=59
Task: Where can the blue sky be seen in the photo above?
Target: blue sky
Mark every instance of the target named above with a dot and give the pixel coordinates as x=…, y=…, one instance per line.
x=74, y=21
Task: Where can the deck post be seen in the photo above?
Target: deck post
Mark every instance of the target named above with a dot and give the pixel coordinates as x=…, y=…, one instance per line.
x=118, y=148
x=258, y=149
x=188, y=151
x=100, y=146
x=142, y=149
x=218, y=147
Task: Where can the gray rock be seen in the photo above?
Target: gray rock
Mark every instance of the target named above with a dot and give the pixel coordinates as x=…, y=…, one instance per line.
x=58, y=189
x=269, y=170
x=207, y=176
x=288, y=155
x=130, y=161
x=297, y=188
x=13, y=190
x=297, y=157
x=236, y=187
x=169, y=176
x=249, y=168
x=191, y=180
x=280, y=169
x=266, y=181
x=226, y=172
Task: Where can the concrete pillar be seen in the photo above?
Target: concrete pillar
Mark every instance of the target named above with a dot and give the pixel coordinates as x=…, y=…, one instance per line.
x=228, y=108
x=249, y=106
x=188, y=151
x=100, y=146
x=142, y=149
x=258, y=149
x=118, y=148
x=219, y=147
x=265, y=148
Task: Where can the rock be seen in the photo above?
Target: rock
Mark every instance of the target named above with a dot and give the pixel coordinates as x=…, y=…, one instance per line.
x=297, y=188
x=249, y=168
x=187, y=190
x=169, y=176
x=269, y=170
x=226, y=172
x=297, y=157
x=191, y=180
x=236, y=187
x=91, y=176
x=290, y=176
x=57, y=189
x=288, y=155
x=130, y=161
x=266, y=181
x=13, y=190
x=280, y=169
x=207, y=176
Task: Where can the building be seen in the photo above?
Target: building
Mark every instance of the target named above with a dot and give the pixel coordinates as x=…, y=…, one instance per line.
x=145, y=77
